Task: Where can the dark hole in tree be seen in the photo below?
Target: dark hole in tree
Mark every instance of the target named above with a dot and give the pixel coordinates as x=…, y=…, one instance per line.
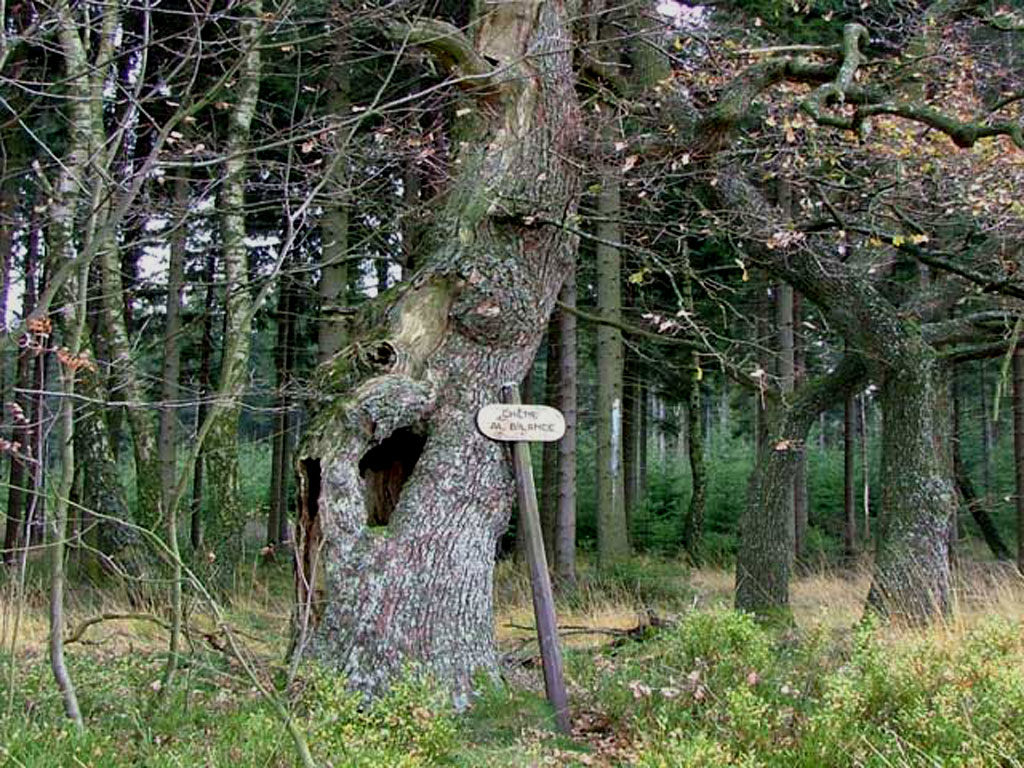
x=383, y=355
x=386, y=467
x=309, y=524
x=311, y=500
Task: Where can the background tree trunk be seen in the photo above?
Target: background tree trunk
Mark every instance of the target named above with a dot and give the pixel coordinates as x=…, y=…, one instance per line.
x=205, y=391
x=764, y=562
x=968, y=496
x=786, y=372
x=550, y=451
x=565, y=520
x=1018, y=449
x=225, y=515
x=612, y=530
x=849, y=479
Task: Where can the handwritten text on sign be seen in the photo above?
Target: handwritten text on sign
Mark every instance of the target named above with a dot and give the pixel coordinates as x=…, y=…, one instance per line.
x=521, y=422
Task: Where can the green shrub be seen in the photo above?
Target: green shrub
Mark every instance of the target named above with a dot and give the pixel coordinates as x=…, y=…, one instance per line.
x=414, y=724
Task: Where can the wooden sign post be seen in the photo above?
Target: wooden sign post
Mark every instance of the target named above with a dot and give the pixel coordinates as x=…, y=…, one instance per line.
x=520, y=424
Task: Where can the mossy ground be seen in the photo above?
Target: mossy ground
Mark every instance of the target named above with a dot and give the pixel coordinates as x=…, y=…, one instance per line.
x=715, y=689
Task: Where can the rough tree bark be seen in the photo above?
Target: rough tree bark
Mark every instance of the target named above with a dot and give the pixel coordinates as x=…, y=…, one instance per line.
x=401, y=499
x=764, y=562
x=912, y=576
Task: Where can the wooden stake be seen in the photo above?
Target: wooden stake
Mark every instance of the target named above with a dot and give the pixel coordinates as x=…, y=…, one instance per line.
x=540, y=581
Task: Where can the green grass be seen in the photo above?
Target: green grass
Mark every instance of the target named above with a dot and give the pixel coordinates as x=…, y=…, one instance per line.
x=717, y=689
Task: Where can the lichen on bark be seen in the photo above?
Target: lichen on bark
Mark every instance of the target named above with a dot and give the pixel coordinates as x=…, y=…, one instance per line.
x=407, y=579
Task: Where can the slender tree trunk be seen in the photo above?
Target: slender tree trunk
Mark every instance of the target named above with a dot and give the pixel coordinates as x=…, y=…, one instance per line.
x=786, y=371
x=630, y=432
x=1018, y=449
x=550, y=451
x=277, y=466
x=849, y=479
x=126, y=385
x=693, y=528
x=696, y=509
x=22, y=472
x=225, y=515
x=205, y=391
x=401, y=499
x=986, y=431
x=167, y=448
x=801, y=497
x=334, y=225
x=865, y=468
x=8, y=209
x=724, y=422
x=288, y=420
x=644, y=438
x=612, y=530
x=968, y=496
x=565, y=519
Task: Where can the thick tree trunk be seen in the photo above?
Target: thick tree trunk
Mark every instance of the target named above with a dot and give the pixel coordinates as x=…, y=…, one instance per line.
x=764, y=563
x=402, y=500
x=912, y=578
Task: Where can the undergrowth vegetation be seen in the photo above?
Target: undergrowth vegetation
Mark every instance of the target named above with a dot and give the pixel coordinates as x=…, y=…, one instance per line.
x=709, y=688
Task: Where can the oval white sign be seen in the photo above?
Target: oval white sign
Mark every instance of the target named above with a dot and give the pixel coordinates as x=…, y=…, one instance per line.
x=521, y=422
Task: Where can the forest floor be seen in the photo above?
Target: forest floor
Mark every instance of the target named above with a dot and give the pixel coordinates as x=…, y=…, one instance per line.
x=708, y=687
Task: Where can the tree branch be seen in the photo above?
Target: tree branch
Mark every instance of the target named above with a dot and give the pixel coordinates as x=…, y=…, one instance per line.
x=450, y=47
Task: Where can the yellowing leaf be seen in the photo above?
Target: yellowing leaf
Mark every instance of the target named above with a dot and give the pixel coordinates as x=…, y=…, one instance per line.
x=678, y=44
x=874, y=242
x=637, y=278
x=898, y=240
x=741, y=265
x=699, y=373
x=918, y=239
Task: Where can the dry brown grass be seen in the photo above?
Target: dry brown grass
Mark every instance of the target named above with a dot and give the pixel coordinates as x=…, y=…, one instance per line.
x=831, y=600
x=259, y=609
